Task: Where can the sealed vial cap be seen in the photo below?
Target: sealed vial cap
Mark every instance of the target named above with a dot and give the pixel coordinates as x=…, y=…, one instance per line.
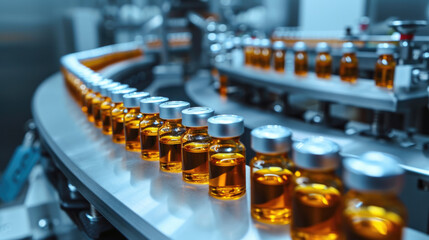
x=323, y=47
x=348, y=47
x=265, y=43
x=91, y=78
x=120, y=87
x=300, y=47
x=247, y=42
x=172, y=109
x=256, y=42
x=97, y=85
x=118, y=95
x=150, y=105
x=385, y=49
x=224, y=126
x=271, y=139
x=373, y=171
x=316, y=153
x=132, y=100
x=103, y=88
x=196, y=116
x=279, y=45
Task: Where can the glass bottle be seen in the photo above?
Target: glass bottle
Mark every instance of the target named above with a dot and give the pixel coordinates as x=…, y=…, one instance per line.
x=279, y=56
x=169, y=134
x=132, y=117
x=301, y=59
x=106, y=108
x=349, y=63
x=323, y=67
x=89, y=97
x=317, y=192
x=86, y=89
x=372, y=209
x=117, y=114
x=256, y=55
x=195, y=145
x=248, y=51
x=149, y=126
x=227, y=157
x=98, y=100
x=385, y=66
x=272, y=177
x=265, y=59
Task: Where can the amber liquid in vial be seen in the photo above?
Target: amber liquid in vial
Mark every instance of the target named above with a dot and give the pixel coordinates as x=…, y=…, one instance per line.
x=265, y=58
x=256, y=57
x=88, y=101
x=384, y=71
x=96, y=110
x=195, y=162
x=84, y=92
x=106, y=120
x=301, y=64
x=227, y=175
x=349, y=68
x=149, y=144
x=132, y=118
x=117, y=117
x=223, y=88
x=279, y=60
x=316, y=212
x=170, y=154
x=323, y=66
x=248, y=54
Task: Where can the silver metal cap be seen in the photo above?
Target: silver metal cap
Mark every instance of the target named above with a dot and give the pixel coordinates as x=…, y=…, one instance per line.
x=120, y=87
x=224, y=126
x=348, y=47
x=256, y=42
x=247, y=42
x=316, y=153
x=196, y=116
x=323, y=47
x=385, y=49
x=172, y=109
x=300, y=47
x=279, y=45
x=132, y=100
x=271, y=139
x=373, y=171
x=265, y=43
x=96, y=86
x=118, y=95
x=150, y=105
x=103, y=88
x=92, y=78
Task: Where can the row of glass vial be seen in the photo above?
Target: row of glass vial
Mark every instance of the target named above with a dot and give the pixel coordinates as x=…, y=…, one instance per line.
x=260, y=53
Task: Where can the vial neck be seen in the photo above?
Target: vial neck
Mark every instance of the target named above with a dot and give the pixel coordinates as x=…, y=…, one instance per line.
x=133, y=109
x=225, y=140
x=269, y=156
x=316, y=173
x=387, y=57
x=197, y=130
x=352, y=54
x=151, y=115
x=374, y=194
x=173, y=122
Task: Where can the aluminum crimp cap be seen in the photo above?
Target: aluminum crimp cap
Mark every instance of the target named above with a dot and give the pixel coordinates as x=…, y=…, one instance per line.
x=385, y=49
x=225, y=126
x=110, y=90
x=132, y=100
x=256, y=42
x=300, y=47
x=348, y=47
x=172, y=109
x=316, y=153
x=103, y=88
x=196, y=116
x=271, y=139
x=92, y=78
x=247, y=42
x=96, y=86
x=118, y=95
x=373, y=171
x=150, y=105
x=323, y=47
x=265, y=43
x=279, y=45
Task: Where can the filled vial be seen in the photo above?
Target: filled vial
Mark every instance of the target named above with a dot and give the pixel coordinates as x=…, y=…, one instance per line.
x=372, y=209
x=265, y=59
x=195, y=145
x=349, y=63
x=227, y=157
x=170, y=134
x=272, y=178
x=316, y=199
x=149, y=126
x=87, y=90
x=323, y=66
x=98, y=100
x=248, y=51
x=117, y=115
x=106, y=107
x=279, y=56
x=256, y=54
x=385, y=66
x=132, y=118
x=300, y=59
x=90, y=96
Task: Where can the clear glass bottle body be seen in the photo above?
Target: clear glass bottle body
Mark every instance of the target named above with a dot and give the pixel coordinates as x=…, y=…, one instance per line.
x=149, y=142
x=279, y=57
x=316, y=205
x=323, y=66
x=170, y=145
x=385, y=71
x=373, y=216
x=88, y=102
x=301, y=63
x=132, y=117
x=227, y=168
x=195, y=148
x=349, y=67
x=248, y=55
x=272, y=183
x=265, y=59
x=106, y=120
x=117, y=122
x=96, y=109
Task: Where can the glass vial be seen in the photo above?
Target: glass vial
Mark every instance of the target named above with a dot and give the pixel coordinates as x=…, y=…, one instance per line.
x=323, y=66
x=169, y=134
x=149, y=126
x=117, y=114
x=95, y=93
x=301, y=59
x=132, y=117
x=279, y=56
x=87, y=89
x=256, y=55
x=227, y=157
x=271, y=177
x=265, y=59
x=372, y=209
x=98, y=100
x=385, y=66
x=106, y=107
x=317, y=192
x=349, y=63
x=248, y=51
x=195, y=145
